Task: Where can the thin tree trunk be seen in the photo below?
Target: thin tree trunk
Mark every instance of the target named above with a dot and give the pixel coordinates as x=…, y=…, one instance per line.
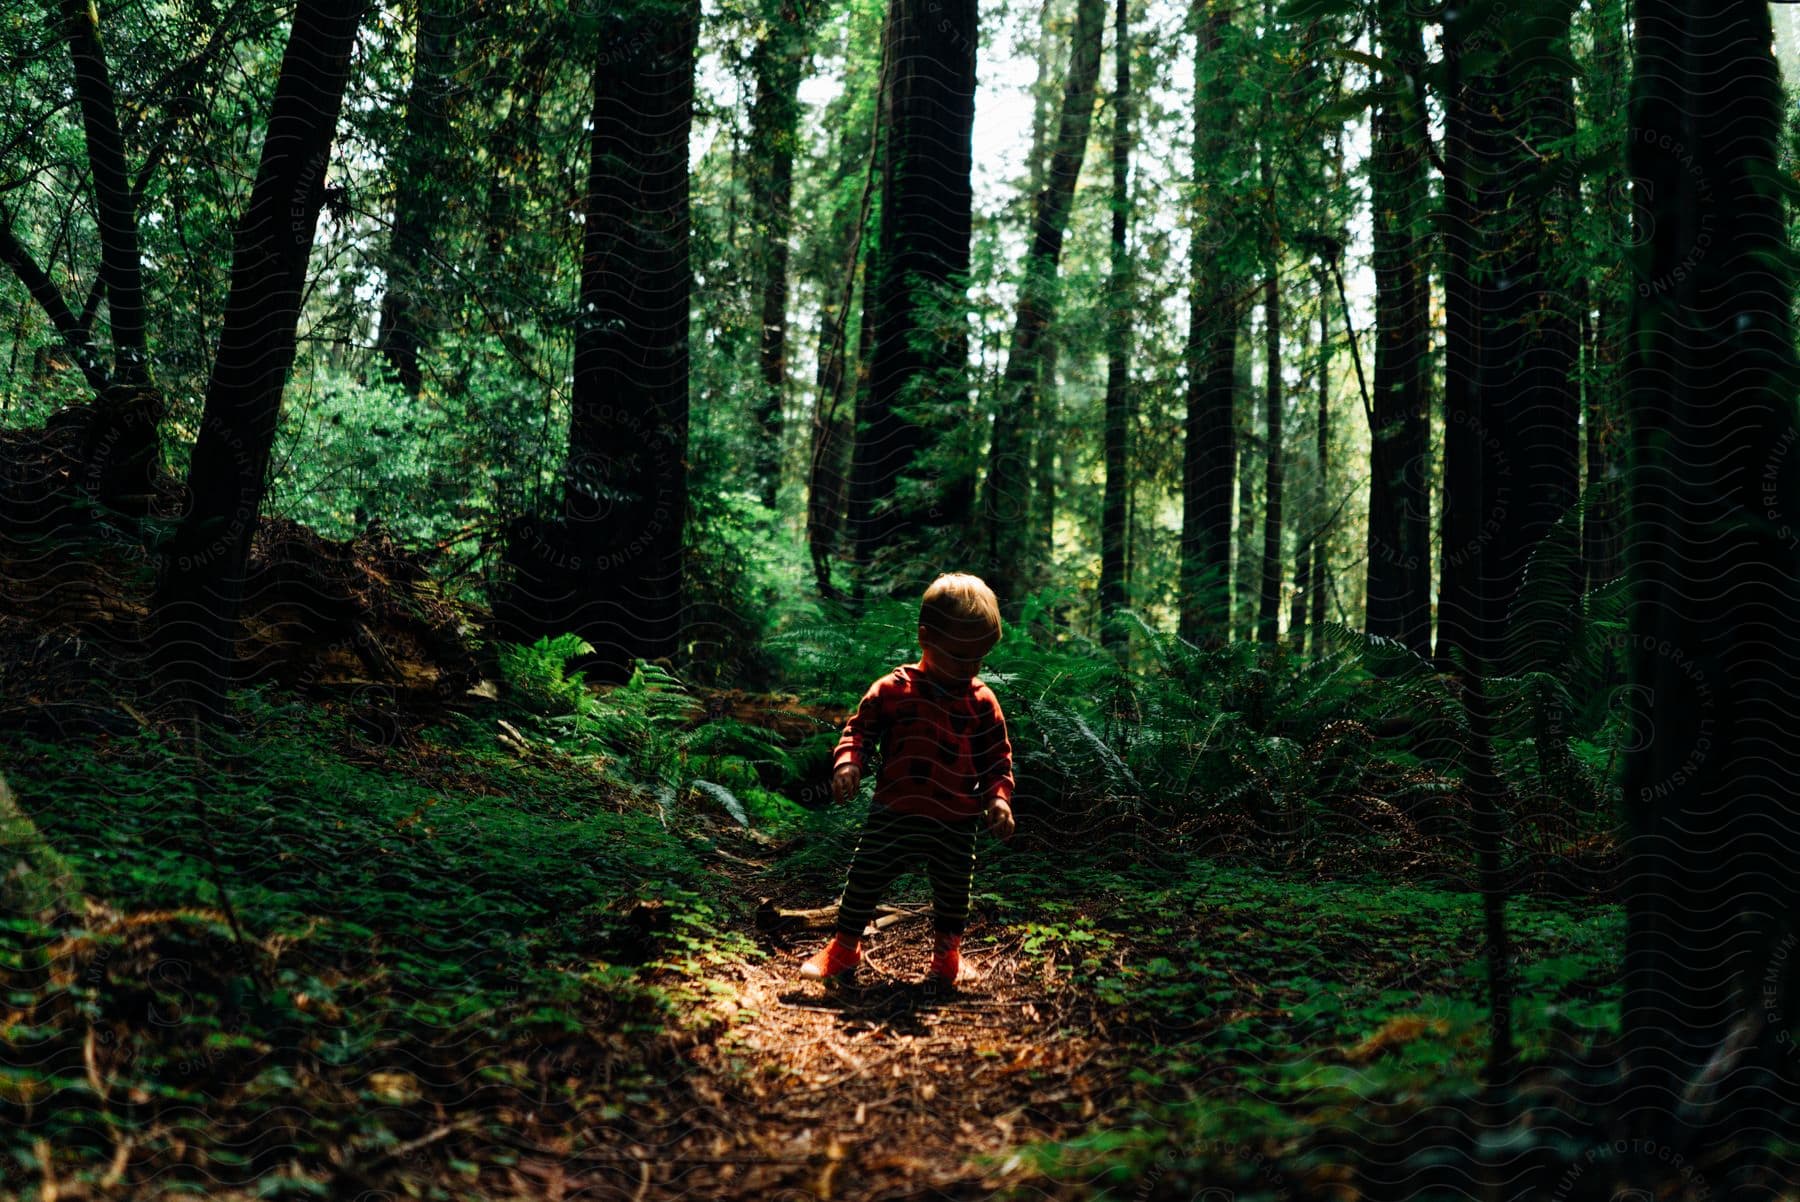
x=120, y=263
x=1399, y=567
x=1247, y=578
x=831, y=440
x=200, y=584
x=419, y=198
x=120, y=449
x=1460, y=529
x=49, y=297
x=777, y=65
x=833, y=428
x=1321, y=571
x=1118, y=352
x=1268, y=621
x=1006, y=507
x=1048, y=439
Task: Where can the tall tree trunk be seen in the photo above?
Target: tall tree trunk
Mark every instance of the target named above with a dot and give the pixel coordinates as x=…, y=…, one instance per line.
x=200, y=585
x=832, y=433
x=833, y=427
x=1600, y=533
x=1711, y=976
x=1601, y=550
x=1047, y=434
x=610, y=568
x=419, y=194
x=1321, y=569
x=1268, y=619
x=1209, y=439
x=1006, y=508
x=777, y=65
x=513, y=146
x=121, y=266
x=120, y=447
x=1247, y=580
x=1472, y=130
x=862, y=401
x=921, y=270
x=1048, y=440
x=1118, y=350
x=1399, y=565
x=1535, y=341
x=1461, y=530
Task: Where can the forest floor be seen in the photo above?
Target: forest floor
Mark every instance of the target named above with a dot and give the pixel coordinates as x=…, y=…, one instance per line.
x=325, y=961
x=353, y=949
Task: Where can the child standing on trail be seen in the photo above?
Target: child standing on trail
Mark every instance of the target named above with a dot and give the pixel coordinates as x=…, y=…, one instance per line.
x=946, y=764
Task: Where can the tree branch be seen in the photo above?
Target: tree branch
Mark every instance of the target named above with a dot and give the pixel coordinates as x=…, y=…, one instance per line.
x=45, y=293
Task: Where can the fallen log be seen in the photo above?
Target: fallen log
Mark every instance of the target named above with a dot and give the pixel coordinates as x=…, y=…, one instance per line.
x=770, y=917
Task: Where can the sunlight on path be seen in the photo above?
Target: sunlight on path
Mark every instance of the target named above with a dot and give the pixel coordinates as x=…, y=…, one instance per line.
x=883, y=1088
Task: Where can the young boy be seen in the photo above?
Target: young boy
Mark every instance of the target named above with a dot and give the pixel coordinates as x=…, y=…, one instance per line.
x=946, y=763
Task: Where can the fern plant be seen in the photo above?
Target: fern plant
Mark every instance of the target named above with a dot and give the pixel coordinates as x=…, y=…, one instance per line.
x=650, y=730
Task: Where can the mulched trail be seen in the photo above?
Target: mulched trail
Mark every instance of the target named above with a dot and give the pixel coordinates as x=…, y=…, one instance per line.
x=885, y=1088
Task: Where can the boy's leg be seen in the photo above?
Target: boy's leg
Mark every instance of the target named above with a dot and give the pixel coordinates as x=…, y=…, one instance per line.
x=952, y=870
x=881, y=855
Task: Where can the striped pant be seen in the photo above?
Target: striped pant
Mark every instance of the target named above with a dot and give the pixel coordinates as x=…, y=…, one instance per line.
x=891, y=843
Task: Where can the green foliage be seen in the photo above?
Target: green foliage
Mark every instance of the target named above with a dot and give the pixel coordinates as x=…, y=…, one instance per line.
x=650, y=731
x=1275, y=1007
x=304, y=922
x=537, y=675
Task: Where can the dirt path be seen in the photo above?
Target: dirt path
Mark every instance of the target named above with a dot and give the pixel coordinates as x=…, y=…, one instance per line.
x=886, y=1089
x=882, y=1089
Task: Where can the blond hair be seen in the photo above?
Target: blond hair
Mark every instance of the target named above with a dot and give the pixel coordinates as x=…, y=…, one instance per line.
x=961, y=606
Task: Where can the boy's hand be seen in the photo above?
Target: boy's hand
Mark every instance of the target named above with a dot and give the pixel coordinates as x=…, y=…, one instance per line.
x=1000, y=818
x=844, y=782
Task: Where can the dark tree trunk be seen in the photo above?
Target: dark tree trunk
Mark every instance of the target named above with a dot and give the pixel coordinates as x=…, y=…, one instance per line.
x=921, y=275
x=1604, y=318
x=200, y=585
x=610, y=569
x=1461, y=528
x=1320, y=579
x=39, y=286
x=832, y=434
x=1399, y=560
x=1602, y=554
x=513, y=146
x=1007, y=508
x=1209, y=449
x=1247, y=579
x=119, y=450
x=1473, y=130
x=121, y=266
x=1268, y=617
x=865, y=359
x=1048, y=440
x=419, y=198
x=777, y=65
x=1118, y=350
x=1530, y=384
x=1711, y=970
x=1303, y=559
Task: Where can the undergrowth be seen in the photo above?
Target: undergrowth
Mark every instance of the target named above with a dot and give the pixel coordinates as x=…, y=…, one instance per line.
x=303, y=923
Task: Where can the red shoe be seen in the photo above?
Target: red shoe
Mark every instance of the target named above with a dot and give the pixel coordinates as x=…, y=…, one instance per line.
x=838, y=958
x=946, y=960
